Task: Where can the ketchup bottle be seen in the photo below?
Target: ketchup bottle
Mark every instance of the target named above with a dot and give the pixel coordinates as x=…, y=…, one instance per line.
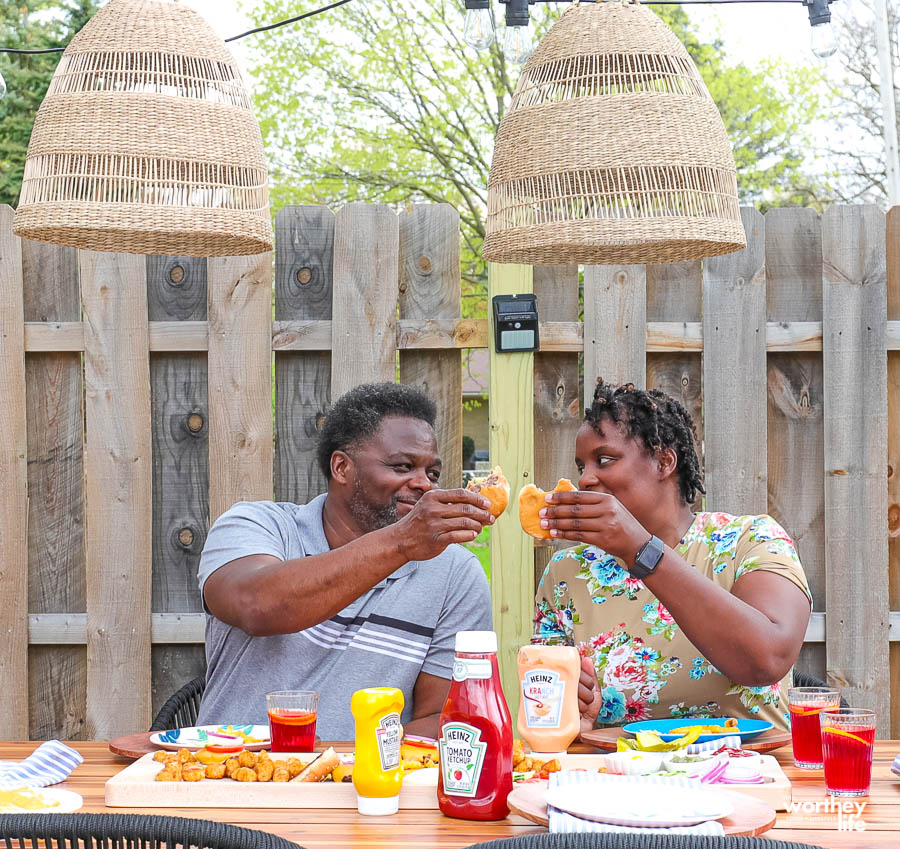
x=476, y=734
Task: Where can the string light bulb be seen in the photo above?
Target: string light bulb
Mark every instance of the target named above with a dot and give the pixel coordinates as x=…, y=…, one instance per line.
x=518, y=39
x=822, y=39
x=479, y=30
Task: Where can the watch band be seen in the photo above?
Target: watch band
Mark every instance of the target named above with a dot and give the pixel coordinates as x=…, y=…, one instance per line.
x=648, y=558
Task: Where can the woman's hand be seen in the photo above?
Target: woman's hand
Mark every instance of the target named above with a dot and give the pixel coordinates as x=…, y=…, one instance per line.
x=596, y=518
x=589, y=698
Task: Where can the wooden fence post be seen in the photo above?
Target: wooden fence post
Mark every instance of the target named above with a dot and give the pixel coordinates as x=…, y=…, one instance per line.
x=855, y=369
x=512, y=447
x=13, y=490
x=118, y=479
x=734, y=368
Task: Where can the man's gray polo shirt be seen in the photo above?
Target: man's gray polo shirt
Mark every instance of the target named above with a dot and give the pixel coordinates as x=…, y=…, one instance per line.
x=404, y=625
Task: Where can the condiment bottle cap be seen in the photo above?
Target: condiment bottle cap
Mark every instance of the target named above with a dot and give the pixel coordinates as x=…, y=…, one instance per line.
x=476, y=642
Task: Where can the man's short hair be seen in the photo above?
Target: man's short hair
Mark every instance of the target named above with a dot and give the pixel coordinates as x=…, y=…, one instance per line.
x=357, y=415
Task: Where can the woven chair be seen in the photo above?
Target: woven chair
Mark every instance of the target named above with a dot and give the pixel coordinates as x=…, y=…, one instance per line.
x=804, y=679
x=638, y=841
x=129, y=831
x=181, y=710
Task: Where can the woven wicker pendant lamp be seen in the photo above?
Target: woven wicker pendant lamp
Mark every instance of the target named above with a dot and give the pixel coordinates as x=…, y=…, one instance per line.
x=146, y=142
x=612, y=150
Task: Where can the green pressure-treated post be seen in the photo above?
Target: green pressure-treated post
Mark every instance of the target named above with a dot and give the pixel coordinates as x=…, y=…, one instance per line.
x=511, y=447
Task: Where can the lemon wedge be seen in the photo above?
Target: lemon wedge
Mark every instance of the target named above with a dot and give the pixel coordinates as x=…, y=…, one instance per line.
x=650, y=741
x=846, y=734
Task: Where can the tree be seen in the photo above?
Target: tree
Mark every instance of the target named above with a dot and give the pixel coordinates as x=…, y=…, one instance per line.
x=28, y=76
x=382, y=101
x=860, y=172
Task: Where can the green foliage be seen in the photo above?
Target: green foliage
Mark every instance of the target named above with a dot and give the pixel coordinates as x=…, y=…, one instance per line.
x=468, y=448
x=381, y=101
x=481, y=548
x=27, y=77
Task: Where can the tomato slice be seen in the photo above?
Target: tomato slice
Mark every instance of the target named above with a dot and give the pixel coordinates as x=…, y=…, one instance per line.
x=223, y=749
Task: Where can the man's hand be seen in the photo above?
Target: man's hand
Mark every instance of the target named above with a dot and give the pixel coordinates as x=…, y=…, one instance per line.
x=596, y=518
x=441, y=517
x=589, y=698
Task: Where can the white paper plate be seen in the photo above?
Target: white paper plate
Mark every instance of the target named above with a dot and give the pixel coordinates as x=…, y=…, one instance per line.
x=197, y=737
x=427, y=777
x=67, y=801
x=656, y=806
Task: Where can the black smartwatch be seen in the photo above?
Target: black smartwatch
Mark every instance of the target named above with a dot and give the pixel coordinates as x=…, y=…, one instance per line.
x=648, y=558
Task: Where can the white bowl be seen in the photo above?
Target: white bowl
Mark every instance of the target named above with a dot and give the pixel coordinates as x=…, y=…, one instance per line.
x=634, y=763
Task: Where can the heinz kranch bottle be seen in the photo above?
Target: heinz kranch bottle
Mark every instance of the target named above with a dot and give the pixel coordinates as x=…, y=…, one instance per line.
x=476, y=734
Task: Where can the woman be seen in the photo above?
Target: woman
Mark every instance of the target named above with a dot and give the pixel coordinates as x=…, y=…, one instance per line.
x=676, y=614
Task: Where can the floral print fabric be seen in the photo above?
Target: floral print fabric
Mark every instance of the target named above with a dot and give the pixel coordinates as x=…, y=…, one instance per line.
x=646, y=667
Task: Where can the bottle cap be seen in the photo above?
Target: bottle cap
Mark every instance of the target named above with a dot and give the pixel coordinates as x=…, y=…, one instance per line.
x=377, y=806
x=476, y=642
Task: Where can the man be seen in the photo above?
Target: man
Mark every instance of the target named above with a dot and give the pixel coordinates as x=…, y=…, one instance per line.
x=364, y=586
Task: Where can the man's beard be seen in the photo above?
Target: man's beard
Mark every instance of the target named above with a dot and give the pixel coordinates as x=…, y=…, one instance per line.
x=369, y=515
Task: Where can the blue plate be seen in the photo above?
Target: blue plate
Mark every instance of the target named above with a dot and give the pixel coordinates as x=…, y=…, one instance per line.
x=747, y=729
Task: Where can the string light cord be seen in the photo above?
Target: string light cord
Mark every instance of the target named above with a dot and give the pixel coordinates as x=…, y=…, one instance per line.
x=294, y=20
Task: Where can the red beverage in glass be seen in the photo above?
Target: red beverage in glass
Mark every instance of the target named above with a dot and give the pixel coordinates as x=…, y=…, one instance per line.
x=848, y=759
x=292, y=730
x=806, y=734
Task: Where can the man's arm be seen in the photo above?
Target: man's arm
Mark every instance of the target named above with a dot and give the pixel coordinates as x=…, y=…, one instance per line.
x=429, y=696
x=263, y=595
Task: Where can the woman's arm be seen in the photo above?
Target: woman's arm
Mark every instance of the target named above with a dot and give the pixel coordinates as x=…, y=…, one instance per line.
x=752, y=634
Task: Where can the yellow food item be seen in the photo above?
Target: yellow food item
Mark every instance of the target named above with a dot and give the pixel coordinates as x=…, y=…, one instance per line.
x=650, y=741
x=24, y=799
x=494, y=487
x=204, y=756
x=730, y=725
x=215, y=770
x=231, y=731
x=343, y=772
x=244, y=773
x=531, y=501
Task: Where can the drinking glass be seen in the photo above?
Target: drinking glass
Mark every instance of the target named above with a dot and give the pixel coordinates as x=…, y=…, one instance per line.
x=805, y=705
x=848, y=740
x=292, y=719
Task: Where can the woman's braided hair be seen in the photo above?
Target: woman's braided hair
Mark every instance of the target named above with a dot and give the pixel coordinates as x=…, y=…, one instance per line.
x=657, y=420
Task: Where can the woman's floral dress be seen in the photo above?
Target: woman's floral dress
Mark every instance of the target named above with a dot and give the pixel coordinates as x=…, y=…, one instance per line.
x=646, y=667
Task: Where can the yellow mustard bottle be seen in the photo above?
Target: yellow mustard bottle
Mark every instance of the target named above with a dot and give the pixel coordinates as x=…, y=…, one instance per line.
x=377, y=775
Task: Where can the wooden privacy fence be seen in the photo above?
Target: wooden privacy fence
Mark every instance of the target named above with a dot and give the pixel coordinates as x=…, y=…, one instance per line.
x=136, y=404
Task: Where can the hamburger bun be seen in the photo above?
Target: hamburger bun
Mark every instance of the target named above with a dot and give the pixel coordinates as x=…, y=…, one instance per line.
x=495, y=488
x=531, y=500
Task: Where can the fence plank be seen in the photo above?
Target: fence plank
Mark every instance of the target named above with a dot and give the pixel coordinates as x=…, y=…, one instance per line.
x=615, y=326
x=675, y=294
x=118, y=482
x=364, y=329
x=734, y=366
x=56, y=574
x=855, y=378
x=177, y=291
x=14, y=491
x=557, y=396
x=430, y=289
x=892, y=247
x=795, y=438
x=512, y=446
x=240, y=381
x=304, y=238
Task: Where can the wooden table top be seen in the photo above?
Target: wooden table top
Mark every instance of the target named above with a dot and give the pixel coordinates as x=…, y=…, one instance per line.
x=336, y=828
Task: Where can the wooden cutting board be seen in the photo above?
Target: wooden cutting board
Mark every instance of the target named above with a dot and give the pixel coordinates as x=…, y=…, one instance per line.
x=136, y=787
x=750, y=818
x=605, y=738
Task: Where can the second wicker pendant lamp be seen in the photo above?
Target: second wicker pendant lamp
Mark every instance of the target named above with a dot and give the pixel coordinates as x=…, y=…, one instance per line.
x=146, y=142
x=612, y=150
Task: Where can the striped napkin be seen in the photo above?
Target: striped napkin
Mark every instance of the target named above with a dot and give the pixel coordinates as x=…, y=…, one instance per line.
x=49, y=763
x=895, y=766
x=560, y=821
x=733, y=742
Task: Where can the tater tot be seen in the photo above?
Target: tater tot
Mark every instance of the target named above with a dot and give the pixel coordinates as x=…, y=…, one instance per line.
x=294, y=766
x=231, y=767
x=518, y=751
x=215, y=770
x=185, y=756
x=246, y=758
x=551, y=766
x=264, y=770
x=281, y=774
x=167, y=775
x=165, y=757
x=244, y=774
x=193, y=772
x=173, y=769
x=264, y=755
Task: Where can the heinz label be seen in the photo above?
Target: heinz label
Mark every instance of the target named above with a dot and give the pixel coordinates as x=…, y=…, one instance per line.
x=388, y=736
x=462, y=757
x=471, y=667
x=543, y=694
